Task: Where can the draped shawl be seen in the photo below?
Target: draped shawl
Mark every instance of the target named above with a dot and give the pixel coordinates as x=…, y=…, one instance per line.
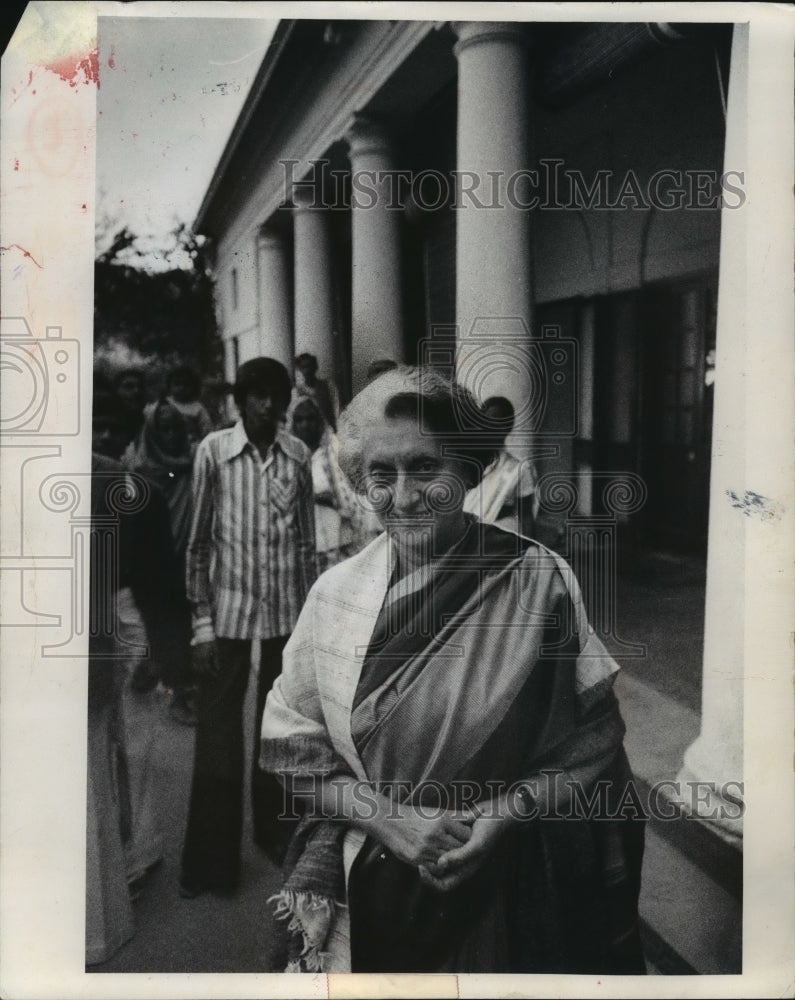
x=171, y=473
x=479, y=668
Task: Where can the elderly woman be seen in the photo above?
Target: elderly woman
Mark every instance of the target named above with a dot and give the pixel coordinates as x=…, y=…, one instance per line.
x=448, y=720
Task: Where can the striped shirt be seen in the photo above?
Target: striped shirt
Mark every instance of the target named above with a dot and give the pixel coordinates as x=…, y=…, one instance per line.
x=251, y=551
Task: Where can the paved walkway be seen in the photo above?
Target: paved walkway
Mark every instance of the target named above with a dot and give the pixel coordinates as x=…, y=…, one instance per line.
x=208, y=933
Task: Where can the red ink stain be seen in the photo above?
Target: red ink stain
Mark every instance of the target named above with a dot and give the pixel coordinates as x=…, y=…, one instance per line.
x=78, y=69
x=83, y=206
x=112, y=58
x=24, y=252
x=16, y=164
x=14, y=89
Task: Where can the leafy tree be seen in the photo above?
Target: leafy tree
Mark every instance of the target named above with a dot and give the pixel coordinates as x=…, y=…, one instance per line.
x=158, y=301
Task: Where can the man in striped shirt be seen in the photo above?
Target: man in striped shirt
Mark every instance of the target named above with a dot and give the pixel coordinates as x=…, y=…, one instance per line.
x=250, y=564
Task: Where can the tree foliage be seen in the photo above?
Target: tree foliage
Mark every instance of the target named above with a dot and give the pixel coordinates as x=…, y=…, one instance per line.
x=158, y=301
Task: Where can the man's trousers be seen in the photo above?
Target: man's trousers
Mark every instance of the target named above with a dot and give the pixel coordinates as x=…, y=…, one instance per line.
x=211, y=853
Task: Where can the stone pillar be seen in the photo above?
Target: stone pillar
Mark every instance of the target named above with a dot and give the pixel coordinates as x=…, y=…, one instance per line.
x=748, y=614
x=493, y=252
x=377, y=306
x=275, y=318
x=314, y=312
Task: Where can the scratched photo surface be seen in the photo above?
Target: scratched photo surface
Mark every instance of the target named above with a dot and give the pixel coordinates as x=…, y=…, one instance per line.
x=449, y=641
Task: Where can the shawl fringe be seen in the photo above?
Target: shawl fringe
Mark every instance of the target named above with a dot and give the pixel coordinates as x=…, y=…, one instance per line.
x=310, y=915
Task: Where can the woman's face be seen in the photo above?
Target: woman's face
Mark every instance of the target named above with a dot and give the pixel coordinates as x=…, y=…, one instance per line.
x=170, y=430
x=306, y=425
x=417, y=491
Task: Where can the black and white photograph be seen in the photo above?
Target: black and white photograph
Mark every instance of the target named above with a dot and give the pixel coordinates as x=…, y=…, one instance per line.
x=397, y=467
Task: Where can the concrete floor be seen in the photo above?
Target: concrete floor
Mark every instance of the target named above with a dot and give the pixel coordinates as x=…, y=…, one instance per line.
x=660, y=697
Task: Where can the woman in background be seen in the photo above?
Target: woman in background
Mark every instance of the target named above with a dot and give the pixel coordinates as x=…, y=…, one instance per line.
x=339, y=522
x=138, y=588
x=182, y=391
x=163, y=454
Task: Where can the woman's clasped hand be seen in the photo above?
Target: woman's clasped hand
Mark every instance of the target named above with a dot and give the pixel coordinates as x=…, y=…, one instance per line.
x=421, y=837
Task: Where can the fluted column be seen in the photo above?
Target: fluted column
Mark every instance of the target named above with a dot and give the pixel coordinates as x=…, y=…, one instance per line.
x=377, y=306
x=274, y=305
x=314, y=315
x=493, y=261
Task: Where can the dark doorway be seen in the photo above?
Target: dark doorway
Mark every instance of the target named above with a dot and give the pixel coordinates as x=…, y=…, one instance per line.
x=677, y=341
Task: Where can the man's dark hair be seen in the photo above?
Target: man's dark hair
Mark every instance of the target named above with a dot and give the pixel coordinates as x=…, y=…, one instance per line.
x=500, y=413
x=263, y=375
x=306, y=358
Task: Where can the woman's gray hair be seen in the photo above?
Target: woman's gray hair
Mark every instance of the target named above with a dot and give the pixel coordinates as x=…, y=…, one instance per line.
x=445, y=406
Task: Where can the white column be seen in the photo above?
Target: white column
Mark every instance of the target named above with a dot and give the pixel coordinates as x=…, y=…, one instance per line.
x=493, y=260
x=749, y=601
x=314, y=316
x=377, y=306
x=273, y=296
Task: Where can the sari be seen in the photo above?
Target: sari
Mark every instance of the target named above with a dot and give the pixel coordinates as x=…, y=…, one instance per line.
x=170, y=473
x=478, y=671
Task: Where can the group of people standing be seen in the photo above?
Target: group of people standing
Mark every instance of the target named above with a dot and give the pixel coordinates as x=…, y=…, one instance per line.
x=349, y=668
x=264, y=534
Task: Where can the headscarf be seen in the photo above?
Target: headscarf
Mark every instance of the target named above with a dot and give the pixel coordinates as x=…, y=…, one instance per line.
x=172, y=473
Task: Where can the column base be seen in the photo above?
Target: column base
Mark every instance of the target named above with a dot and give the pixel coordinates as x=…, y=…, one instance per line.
x=714, y=801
